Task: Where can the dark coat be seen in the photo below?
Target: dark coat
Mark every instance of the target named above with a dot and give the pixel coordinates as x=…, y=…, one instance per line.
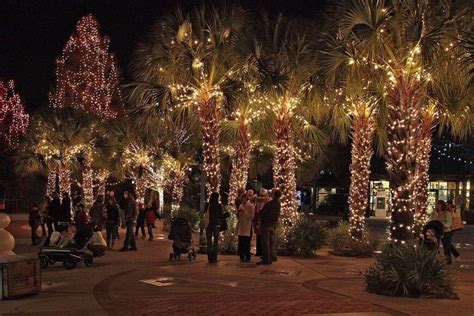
x=34, y=218
x=141, y=217
x=113, y=216
x=65, y=214
x=129, y=209
x=270, y=213
x=55, y=208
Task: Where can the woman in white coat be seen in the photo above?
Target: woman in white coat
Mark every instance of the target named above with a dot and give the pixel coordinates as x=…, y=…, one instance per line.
x=245, y=215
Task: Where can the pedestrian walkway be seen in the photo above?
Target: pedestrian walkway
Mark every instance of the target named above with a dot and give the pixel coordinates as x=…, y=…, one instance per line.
x=145, y=282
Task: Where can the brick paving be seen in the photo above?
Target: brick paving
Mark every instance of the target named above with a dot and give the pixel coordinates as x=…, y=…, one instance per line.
x=145, y=282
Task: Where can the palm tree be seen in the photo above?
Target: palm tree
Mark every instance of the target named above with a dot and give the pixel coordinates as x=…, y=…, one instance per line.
x=187, y=67
x=283, y=64
x=55, y=141
x=403, y=41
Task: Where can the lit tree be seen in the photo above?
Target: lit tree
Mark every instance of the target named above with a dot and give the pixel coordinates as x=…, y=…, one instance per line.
x=404, y=42
x=54, y=143
x=13, y=118
x=283, y=64
x=186, y=67
x=86, y=73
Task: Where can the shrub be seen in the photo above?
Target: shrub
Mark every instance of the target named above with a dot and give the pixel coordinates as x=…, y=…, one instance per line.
x=410, y=271
x=305, y=237
x=230, y=239
x=343, y=245
x=186, y=212
x=333, y=205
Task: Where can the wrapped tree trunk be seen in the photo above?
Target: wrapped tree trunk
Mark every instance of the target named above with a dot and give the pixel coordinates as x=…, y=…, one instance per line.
x=405, y=101
x=87, y=182
x=64, y=179
x=361, y=153
x=422, y=172
x=140, y=188
x=51, y=188
x=178, y=190
x=284, y=168
x=210, y=116
x=240, y=161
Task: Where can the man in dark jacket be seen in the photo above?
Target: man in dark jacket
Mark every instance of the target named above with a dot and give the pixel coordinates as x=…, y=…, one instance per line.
x=65, y=212
x=130, y=216
x=269, y=220
x=55, y=210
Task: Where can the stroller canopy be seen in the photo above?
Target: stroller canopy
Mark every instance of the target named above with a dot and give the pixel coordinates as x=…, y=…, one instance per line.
x=180, y=230
x=436, y=226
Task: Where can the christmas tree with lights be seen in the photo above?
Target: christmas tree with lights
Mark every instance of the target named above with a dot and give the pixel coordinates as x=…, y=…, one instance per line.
x=13, y=118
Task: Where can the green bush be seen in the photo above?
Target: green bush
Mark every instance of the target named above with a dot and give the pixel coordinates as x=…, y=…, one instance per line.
x=410, y=271
x=230, y=239
x=305, y=237
x=186, y=212
x=343, y=245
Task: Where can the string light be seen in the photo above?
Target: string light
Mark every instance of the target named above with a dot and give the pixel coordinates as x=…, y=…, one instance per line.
x=241, y=157
x=13, y=118
x=363, y=128
x=86, y=73
x=51, y=187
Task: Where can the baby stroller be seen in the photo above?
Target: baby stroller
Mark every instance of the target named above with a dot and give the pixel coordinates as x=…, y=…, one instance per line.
x=182, y=236
x=50, y=252
x=431, y=234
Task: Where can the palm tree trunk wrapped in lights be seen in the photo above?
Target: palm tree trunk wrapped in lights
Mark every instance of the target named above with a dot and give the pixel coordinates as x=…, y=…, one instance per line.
x=422, y=169
x=64, y=178
x=284, y=169
x=51, y=187
x=406, y=99
x=140, y=188
x=178, y=191
x=240, y=161
x=361, y=152
x=210, y=116
x=87, y=184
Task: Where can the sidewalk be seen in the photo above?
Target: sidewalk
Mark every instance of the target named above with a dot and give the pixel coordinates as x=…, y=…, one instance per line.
x=145, y=282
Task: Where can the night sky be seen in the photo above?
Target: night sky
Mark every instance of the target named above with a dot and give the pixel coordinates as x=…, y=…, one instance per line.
x=34, y=32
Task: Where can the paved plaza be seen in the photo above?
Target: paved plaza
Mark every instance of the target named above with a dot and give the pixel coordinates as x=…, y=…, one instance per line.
x=145, y=282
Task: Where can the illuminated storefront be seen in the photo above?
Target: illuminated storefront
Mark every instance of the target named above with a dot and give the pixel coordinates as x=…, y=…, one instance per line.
x=457, y=191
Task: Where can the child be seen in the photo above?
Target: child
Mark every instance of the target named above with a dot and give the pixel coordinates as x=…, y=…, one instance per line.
x=150, y=220
x=34, y=221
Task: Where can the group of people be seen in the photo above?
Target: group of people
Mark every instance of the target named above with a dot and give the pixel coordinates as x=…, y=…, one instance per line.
x=446, y=213
x=106, y=212
x=256, y=214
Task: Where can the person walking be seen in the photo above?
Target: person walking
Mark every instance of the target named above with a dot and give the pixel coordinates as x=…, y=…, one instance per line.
x=263, y=197
x=212, y=222
x=34, y=220
x=445, y=217
x=140, y=221
x=65, y=212
x=48, y=217
x=269, y=220
x=456, y=225
x=112, y=222
x=245, y=215
x=150, y=216
x=130, y=216
x=80, y=218
x=97, y=213
x=55, y=210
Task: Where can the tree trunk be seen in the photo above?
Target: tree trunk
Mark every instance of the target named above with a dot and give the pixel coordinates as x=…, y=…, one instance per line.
x=284, y=168
x=178, y=191
x=87, y=182
x=361, y=153
x=240, y=161
x=422, y=174
x=140, y=188
x=64, y=179
x=51, y=188
x=210, y=116
x=405, y=101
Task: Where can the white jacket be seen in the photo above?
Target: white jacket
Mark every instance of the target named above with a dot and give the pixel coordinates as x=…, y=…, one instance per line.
x=245, y=216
